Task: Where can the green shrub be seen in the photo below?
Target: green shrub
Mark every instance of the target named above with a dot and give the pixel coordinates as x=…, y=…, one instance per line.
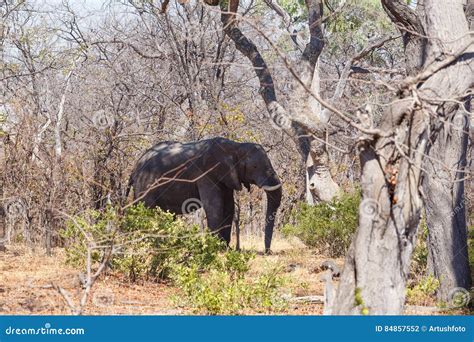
x=423, y=292
x=420, y=252
x=225, y=289
x=152, y=243
x=91, y=229
x=147, y=242
x=328, y=227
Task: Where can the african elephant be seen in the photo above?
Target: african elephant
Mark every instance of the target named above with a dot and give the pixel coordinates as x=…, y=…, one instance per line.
x=180, y=177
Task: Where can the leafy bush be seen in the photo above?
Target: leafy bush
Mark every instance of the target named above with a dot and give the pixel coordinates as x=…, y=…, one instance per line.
x=225, y=289
x=420, y=252
x=327, y=226
x=147, y=242
x=152, y=243
x=423, y=292
x=296, y=9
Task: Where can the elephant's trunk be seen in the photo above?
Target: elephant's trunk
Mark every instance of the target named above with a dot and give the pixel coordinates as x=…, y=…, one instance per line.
x=273, y=202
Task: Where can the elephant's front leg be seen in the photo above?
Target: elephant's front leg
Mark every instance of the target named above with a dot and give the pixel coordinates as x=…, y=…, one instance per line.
x=213, y=204
x=228, y=199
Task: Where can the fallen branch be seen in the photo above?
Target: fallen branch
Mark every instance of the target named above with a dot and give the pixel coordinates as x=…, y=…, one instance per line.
x=308, y=299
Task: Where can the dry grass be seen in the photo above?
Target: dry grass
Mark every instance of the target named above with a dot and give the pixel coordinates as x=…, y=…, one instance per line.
x=26, y=279
x=26, y=288
x=299, y=264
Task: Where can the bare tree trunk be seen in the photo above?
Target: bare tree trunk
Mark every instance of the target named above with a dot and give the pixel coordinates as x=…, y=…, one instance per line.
x=59, y=118
x=319, y=184
x=3, y=214
x=446, y=207
x=3, y=226
x=49, y=221
x=377, y=264
x=445, y=200
x=376, y=269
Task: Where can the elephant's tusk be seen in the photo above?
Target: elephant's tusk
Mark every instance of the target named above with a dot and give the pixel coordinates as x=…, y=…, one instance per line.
x=271, y=188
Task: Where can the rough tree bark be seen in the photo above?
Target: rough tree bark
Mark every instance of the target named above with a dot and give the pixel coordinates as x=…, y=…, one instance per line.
x=3, y=226
x=320, y=183
x=319, y=180
x=377, y=264
x=445, y=205
x=445, y=201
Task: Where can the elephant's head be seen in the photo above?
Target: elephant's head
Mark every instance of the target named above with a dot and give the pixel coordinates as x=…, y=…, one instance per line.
x=247, y=163
x=254, y=167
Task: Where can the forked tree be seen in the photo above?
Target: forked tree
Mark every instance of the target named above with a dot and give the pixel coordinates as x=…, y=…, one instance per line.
x=421, y=136
x=421, y=140
x=307, y=118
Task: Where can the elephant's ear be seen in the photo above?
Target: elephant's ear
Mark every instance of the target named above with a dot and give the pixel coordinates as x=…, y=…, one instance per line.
x=219, y=155
x=230, y=177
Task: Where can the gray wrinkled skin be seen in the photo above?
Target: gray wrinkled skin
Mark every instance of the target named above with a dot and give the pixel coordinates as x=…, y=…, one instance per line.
x=181, y=177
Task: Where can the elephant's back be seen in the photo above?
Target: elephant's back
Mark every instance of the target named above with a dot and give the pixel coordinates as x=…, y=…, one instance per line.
x=157, y=151
x=156, y=158
x=165, y=159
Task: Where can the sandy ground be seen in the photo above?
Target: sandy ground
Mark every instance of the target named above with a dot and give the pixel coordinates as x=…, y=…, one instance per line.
x=29, y=282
